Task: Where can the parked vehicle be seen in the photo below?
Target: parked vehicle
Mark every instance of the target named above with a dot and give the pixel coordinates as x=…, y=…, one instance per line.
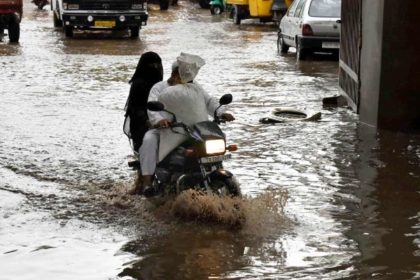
x=10, y=17
x=310, y=26
x=265, y=10
x=197, y=161
x=217, y=7
x=100, y=14
x=40, y=3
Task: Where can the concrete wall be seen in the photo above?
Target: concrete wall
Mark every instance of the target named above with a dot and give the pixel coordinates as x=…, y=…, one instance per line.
x=390, y=64
x=371, y=60
x=399, y=100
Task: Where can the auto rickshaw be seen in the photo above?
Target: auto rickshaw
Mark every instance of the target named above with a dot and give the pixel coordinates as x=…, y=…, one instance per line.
x=265, y=10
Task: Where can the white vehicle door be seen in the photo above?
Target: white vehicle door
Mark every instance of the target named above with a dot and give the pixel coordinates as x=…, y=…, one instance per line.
x=285, y=25
x=297, y=21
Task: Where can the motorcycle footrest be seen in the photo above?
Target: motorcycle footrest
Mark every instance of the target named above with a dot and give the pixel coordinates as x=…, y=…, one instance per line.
x=135, y=164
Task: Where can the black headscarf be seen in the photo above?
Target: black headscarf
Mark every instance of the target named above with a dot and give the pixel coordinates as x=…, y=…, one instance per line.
x=146, y=68
x=149, y=71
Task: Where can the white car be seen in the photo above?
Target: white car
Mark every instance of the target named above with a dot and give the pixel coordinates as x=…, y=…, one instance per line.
x=311, y=26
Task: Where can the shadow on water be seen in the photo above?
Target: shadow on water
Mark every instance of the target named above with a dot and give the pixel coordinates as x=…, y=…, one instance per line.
x=9, y=49
x=386, y=217
x=102, y=43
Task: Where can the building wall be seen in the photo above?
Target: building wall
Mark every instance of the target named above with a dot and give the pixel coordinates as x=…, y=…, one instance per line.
x=390, y=64
x=399, y=100
x=371, y=60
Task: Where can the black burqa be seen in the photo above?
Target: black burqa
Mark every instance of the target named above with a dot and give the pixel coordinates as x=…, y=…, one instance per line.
x=149, y=71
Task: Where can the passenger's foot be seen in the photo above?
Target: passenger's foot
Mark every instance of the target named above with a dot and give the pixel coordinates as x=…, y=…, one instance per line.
x=148, y=191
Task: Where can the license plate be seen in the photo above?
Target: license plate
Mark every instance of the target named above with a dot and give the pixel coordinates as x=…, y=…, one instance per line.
x=215, y=158
x=330, y=45
x=105, y=23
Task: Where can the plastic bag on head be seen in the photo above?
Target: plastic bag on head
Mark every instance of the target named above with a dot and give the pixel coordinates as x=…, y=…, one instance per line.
x=188, y=66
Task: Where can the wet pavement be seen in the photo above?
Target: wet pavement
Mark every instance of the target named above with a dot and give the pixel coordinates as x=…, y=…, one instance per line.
x=353, y=200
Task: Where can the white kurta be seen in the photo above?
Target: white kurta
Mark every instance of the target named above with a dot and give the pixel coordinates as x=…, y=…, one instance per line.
x=189, y=102
x=156, y=90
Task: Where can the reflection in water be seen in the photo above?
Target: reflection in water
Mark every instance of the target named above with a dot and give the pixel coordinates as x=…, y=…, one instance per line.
x=207, y=240
x=192, y=253
x=388, y=227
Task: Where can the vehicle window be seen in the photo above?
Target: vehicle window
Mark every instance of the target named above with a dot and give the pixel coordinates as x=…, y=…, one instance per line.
x=292, y=8
x=299, y=8
x=325, y=8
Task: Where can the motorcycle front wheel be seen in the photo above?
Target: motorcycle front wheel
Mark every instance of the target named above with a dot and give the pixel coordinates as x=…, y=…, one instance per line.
x=227, y=186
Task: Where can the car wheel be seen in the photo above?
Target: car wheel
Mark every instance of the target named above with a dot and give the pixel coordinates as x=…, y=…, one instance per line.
x=300, y=53
x=336, y=55
x=282, y=48
x=236, y=16
x=68, y=30
x=216, y=10
x=134, y=31
x=164, y=5
x=227, y=187
x=14, y=30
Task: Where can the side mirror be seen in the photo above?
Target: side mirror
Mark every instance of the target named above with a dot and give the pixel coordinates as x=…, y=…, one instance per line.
x=225, y=99
x=155, y=106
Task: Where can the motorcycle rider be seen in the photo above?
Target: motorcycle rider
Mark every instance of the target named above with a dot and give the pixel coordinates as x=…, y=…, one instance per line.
x=189, y=102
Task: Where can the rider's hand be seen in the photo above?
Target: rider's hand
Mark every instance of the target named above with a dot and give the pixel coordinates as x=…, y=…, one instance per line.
x=228, y=117
x=163, y=123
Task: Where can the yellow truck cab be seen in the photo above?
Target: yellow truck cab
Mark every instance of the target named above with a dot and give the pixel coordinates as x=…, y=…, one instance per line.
x=265, y=10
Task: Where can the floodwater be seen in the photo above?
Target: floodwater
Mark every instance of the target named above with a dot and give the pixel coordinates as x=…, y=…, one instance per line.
x=330, y=199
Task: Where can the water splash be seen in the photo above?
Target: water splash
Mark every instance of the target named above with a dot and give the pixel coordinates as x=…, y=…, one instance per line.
x=254, y=215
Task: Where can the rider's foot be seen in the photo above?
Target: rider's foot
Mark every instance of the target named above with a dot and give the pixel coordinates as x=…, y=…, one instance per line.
x=135, y=191
x=148, y=191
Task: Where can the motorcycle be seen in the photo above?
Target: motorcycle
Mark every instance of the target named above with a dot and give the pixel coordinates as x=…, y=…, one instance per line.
x=197, y=160
x=40, y=3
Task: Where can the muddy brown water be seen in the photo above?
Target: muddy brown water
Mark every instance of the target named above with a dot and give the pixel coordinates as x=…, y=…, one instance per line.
x=352, y=207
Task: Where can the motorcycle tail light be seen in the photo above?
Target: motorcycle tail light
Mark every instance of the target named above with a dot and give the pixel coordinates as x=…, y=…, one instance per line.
x=189, y=153
x=232, y=148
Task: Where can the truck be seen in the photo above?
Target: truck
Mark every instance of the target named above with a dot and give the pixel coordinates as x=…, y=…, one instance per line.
x=100, y=15
x=10, y=17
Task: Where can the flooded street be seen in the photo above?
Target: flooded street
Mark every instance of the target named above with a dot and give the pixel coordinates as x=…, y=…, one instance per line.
x=353, y=195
